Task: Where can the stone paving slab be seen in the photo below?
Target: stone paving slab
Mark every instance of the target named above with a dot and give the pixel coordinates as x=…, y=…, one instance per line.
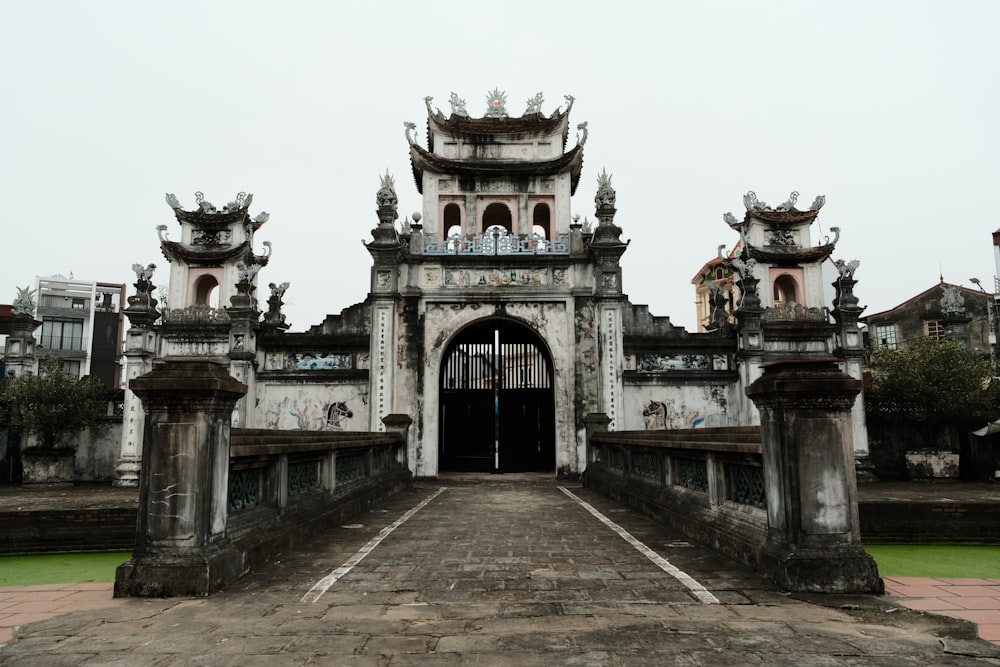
x=500, y=571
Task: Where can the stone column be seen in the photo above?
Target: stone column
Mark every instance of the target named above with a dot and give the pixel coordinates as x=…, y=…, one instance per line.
x=19, y=349
x=141, y=343
x=813, y=536
x=181, y=544
x=140, y=349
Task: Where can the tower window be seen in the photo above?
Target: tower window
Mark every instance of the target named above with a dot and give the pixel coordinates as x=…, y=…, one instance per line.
x=205, y=291
x=452, y=220
x=497, y=214
x=541, y=220
x=784, y=289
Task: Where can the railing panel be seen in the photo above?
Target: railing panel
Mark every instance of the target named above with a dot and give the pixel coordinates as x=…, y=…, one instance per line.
x=245, y=488
x=303, y=476
x=745, y=484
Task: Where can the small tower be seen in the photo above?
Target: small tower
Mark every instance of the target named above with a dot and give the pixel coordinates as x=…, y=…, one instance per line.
x=496, y=171
x=214, y=311
x=204, y=263
x=780, y=311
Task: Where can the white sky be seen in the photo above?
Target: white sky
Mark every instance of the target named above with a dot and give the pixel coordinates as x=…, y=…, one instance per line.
x=890, y=109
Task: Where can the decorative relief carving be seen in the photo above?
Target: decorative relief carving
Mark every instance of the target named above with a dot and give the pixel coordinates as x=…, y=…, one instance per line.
x=308, y=361
x=495, y=277
x=222, y=237
x=383, y=279
x=952, y=301
x=432, y=277
x=782, y=237
x=446, y=184
x=609, y=281
x=498, y=185
x=795, y=311
x=613, y=363
x=558, y=276
x=649, y=363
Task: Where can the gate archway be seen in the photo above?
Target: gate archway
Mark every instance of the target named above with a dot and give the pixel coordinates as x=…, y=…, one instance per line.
x=497, y=401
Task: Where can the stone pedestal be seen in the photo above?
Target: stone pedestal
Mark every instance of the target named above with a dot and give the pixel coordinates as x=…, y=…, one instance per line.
x=400, y=425
x=813, y=541
x=181, y=544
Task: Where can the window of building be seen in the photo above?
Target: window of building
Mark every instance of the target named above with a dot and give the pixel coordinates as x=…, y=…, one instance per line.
x=452, y=220
x=206, y=291
x=497, y=214
x=79, y=303
x=541, y=220
x=885, y=336
x=62, y=334
x=72, y=367
x=719, y=273
x=933, y=329
x=784, y=289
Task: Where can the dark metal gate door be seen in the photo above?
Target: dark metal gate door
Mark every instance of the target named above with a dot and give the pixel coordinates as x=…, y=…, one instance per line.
x=497, y=411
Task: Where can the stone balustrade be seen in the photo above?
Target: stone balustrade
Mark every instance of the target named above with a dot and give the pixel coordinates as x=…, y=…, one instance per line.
x=708, y=483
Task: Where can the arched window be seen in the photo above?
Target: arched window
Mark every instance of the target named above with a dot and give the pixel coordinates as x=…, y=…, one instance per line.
x=784, y=289
x=497, y=214
x=719, y=273
x=206, y=292
x=452, y=220
x=541, y=220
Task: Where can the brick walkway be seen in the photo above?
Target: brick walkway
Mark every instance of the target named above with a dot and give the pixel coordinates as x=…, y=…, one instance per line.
x=976, y=600
x=500, y=571
x=20, y=605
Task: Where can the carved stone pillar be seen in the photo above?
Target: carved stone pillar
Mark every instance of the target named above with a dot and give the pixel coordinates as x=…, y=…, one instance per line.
x=813, y=541
x=181, y=543
x=140, y=349
x=19, y=350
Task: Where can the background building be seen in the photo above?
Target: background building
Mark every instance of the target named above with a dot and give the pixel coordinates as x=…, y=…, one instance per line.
x=924, y=316
x=81, y=325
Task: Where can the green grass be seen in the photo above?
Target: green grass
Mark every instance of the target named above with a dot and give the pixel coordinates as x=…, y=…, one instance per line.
x=60, y=568
x=905, y=560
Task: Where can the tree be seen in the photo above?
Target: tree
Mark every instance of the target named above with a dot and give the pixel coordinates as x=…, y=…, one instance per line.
x=54, y=403
x=933, y=384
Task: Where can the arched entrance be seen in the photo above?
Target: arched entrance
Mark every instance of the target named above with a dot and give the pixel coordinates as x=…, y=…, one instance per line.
x=497, y=410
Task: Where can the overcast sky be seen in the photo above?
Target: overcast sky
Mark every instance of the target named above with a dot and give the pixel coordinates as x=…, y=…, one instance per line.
x=890, y=109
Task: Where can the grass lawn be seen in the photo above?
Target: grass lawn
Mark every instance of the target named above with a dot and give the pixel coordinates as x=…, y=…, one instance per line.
x=906, y=560
x=60, y=568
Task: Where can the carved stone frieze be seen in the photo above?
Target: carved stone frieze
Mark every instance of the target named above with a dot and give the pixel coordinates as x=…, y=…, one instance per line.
x=495, y=277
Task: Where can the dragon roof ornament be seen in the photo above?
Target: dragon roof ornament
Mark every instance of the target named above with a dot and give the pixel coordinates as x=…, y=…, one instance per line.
x=457, y=105
x=241, y=202
x=753, y=204
x=534, y=104
x=24, y=303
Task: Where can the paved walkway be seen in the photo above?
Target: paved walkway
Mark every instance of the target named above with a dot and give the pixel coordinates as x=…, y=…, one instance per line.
x=503, y=570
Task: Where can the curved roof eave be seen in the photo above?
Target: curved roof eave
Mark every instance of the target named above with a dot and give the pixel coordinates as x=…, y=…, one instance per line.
x=790, y=255
x=174, y=250
x=422, y=159
x=557, y=124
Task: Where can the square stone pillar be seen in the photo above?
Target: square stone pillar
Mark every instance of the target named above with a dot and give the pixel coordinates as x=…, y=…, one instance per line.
x=181, y=544
x=814, y=540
